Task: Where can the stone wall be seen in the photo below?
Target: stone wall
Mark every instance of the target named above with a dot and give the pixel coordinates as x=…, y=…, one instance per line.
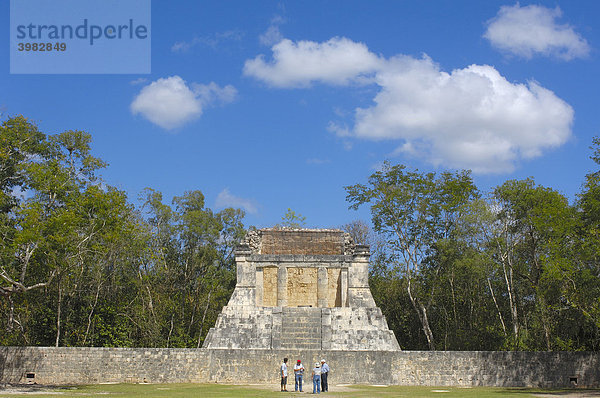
x=45, y=365
x=334, y=287
x=269, y=298
x=315, y=242
x=357, y=329
x=302, y=287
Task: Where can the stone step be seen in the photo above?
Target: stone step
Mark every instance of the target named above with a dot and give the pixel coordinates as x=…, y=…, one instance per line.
x=296, y=341
x=301, y=333
x=301, y=346
x=305, y=341
x=304, y=313
x=301, y=316
x=300, y=319
x=287, y=344
x=302, y=336
x=305, y=334
x=301, y=328
x=305, y=325
x=302, y=310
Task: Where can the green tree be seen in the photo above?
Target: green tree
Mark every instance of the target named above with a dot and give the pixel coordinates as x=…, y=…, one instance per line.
x=535, y=240
x=584, y=291
x=21, y=146
x=415, y=211
x=291, y=219
x=61, y=238
x=193, y=274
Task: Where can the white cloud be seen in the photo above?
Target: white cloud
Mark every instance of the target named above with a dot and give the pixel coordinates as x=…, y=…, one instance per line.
x=170, y=103
x=226, y=199
x=212, y=41
x=272, y=35
x=213, y=93
x=533, y=30
x=338, y=129
x=138, y=81
x=469, y=118
x=337, y=61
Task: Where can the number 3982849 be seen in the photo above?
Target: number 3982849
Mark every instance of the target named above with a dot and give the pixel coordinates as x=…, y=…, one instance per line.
x=41, y=46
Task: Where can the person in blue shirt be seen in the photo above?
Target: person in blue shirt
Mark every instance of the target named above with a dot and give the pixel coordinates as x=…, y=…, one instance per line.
x=324, y=373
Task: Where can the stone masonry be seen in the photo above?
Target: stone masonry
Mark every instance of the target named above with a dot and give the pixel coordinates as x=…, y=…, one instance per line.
x=301, y=289
x=91, y=365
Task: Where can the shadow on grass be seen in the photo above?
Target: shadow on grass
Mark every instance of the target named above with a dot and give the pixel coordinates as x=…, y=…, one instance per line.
x=564, y=392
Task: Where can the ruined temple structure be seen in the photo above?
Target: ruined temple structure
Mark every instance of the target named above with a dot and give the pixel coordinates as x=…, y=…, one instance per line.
x=302, y=289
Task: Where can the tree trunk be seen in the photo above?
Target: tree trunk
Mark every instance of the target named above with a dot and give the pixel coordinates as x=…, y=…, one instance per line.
x=545, y=320
x=422, y=312
x=513, y=304
x=58, y=315
x=204, y=316
x=11, y=314
x=497, y=307
x=507, y=269
x=170, y=331
x=427, y=329
x=89, y=323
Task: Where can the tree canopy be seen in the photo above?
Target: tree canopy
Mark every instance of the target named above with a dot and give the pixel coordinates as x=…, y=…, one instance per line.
x=452, y=268
x=81, y=265
x=514, y=269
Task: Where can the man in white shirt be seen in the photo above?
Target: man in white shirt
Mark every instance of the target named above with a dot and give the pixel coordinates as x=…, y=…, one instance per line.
x=316, y=374
x=298, y=374
x=324, y=373
x=284, y=374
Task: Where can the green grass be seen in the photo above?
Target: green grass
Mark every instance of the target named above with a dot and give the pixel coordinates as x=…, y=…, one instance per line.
x=219, y=390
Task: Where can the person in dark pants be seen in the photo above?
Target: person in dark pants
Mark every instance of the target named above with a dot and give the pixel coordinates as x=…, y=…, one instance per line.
x=284, y=374
x=324, y=373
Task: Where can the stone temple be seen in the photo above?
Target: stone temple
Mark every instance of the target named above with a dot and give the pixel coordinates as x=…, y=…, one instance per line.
x=301, y=289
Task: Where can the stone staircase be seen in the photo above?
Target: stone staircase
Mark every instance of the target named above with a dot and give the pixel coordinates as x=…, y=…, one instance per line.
x=301, y=328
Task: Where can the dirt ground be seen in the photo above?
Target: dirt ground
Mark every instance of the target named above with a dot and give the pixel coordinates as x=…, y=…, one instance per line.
x=48, y=390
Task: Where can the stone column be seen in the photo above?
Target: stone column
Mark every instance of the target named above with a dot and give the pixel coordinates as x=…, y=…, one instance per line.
x=282, y=286
x=244, y=293
x=242, y=252
x=359, y=293
x=259, y=287
x=344, y=287
x=322, y=285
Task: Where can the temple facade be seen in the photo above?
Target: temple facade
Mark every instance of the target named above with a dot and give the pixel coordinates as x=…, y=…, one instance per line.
x=302, y=289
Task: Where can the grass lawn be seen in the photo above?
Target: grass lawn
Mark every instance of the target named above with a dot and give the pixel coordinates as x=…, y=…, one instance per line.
x=219, y=390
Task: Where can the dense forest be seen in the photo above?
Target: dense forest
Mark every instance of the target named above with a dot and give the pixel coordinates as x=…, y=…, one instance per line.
x=452, y=268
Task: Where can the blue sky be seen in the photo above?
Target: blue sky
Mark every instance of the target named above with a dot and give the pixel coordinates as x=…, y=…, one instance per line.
x=274, y=105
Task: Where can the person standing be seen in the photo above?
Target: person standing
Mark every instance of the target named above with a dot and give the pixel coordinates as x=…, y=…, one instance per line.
x=298, y=374
x=324, y=373
x=284, y=374
x=316, y=375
